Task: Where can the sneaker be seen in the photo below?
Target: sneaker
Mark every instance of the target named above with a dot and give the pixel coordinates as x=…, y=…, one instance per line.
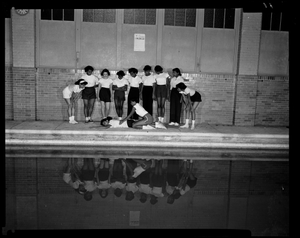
x=192, y=127
x=90, y=120
x=176, y=124
x=171, y=124
x=72, y=122
x=185, y=126
x=75, y=122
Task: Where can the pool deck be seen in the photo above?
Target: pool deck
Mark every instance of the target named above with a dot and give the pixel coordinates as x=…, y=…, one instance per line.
x=90, y=139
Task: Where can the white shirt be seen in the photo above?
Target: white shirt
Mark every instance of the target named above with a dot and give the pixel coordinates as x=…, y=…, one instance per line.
x=115, y=124
x=120, y=82
x=92, y=80
x=68, y=180
x=103, y=185
x=105, y=83
x=140, y=110
x=187, y=188
x=188, y=91
x=157, y=192
x=132, y=187
x=145, y=188
x=134, y=82
x=118, y=184
x=169, y=189
x=148, y=80
x=89, y=185
x=161, y=79
x=175, y=81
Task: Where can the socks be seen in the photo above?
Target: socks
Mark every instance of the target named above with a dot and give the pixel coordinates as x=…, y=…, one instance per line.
x=72, y=120
x=193, y=125
x=186, y=125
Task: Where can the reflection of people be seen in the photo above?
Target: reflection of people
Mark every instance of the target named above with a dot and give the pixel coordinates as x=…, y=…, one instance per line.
x=71, y=175
x=71, y=94
x=144, y=185
x=172, y=178
x=191, y=100
x=131, y=186
x=89, y=92
x=157, y=182
x=118, y=177
x=187, y=181
x=103, y=177
x=89, y=178
x=147, y=119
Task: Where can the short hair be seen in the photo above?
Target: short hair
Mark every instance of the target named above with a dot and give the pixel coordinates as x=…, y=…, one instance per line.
x=121, y=73
x=118, y=192
x=133, y=70
x=153, y=199
x=105, y=119
x=88, y=196
x=158, y=68
x=181, y=85
x=134, y=99
x=105, y=70
x=176, y=194
x=171, y=199
x=143, y=197
x=129, y=196
x=147, y=68
x=87, y=68
x=177, y=71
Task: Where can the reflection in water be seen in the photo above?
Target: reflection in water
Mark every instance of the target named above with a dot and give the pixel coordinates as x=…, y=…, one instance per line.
x=154, y=178
x=84, y=193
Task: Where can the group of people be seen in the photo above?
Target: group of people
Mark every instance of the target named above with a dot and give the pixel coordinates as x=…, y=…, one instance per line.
x=158, y=86
x=147, y=177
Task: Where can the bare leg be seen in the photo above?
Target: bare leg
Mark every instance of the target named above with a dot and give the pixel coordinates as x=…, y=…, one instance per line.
x=107, y=109
x=91, y=107
x=85, y=109
x=193, y=112
x=102, y=109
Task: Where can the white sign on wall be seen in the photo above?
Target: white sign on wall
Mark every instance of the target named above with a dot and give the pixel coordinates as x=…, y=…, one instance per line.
x=139, y=42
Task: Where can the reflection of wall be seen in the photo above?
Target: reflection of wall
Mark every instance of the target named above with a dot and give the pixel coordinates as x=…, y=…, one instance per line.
x=44, y=201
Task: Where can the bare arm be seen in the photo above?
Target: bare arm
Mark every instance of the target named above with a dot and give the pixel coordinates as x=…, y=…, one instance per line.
x=130, y=114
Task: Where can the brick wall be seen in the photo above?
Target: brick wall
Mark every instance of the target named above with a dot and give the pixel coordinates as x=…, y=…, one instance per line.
x=272, y=101
x=8, y=93
x=24, y=93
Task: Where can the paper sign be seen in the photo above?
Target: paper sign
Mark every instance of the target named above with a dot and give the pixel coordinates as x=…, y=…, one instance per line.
x=139, y=42
x=134, y=217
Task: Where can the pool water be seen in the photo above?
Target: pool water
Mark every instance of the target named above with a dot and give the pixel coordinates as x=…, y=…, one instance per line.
x=229, y=194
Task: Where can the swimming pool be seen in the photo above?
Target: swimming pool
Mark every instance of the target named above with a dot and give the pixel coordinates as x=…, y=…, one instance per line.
x=231, y=193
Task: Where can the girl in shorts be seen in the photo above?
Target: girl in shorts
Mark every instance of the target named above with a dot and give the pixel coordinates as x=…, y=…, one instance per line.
x=71, y=94
x=135, y=83
x=89, y=92
x=105, y=92
x=147, y=91
x=120, y=86
x=161, y=91
x=89, y=177
x=118, y=177
x=103, y=177
x=191, y=100
x=147, y=119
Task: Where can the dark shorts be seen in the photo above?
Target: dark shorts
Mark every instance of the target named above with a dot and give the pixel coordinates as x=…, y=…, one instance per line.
x=196, y=97
x=105, y=95
x=191, y=183
x=119, y=95
x=172, y=179
x=161, y=91
x=145, y=177
x=157, y=180
x=103, y=174
x=89, y=93
x=88, y=175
